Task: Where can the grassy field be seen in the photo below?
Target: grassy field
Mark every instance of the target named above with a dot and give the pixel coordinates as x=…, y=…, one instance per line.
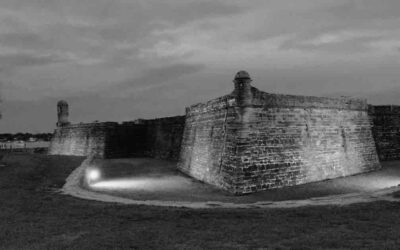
x=33, y=216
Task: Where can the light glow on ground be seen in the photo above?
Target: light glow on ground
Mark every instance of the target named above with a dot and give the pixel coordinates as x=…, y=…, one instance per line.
x=92, y=175
x=144, y=179
x=139, y=183
x=146, y=183
x=381, y=183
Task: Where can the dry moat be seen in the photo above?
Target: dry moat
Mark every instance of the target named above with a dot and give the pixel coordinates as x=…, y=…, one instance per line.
x=249, y=140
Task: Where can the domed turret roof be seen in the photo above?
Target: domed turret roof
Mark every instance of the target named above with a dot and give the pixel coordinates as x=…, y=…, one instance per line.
x=62, y=103
x=242, y=75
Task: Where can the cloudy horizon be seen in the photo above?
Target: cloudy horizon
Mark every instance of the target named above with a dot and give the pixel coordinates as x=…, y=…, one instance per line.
x=121, y=60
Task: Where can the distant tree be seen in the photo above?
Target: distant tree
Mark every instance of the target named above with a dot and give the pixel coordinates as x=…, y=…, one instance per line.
x=25, y=136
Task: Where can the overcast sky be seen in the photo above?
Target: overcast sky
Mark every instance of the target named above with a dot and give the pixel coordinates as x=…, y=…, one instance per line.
x=125, y=59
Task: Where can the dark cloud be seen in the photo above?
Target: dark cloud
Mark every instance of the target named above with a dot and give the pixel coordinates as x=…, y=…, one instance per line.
x=11, y=61
x=22, y=40
x=352, y=45
x=325, y=17
x=363, y=11
x=159, y=76
x=192, y=10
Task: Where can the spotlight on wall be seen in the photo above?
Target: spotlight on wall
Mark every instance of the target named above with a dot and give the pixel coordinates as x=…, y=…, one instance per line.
x=92, y=175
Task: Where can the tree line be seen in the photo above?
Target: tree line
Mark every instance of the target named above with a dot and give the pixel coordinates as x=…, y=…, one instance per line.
x=25, y=136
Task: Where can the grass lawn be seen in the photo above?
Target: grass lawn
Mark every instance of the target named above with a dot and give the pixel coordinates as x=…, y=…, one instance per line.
x=33, y=216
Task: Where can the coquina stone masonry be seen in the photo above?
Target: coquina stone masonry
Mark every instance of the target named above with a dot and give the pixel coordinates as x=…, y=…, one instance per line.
x=80, y=139
x=250, y=140
x=386, y=130
x=159, y=138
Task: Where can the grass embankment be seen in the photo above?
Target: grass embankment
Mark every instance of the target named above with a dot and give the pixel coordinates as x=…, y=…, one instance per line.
x=32, y=216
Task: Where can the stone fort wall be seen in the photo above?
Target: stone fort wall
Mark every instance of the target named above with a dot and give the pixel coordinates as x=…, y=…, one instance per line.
x=80, y=139
x=252, y=141
x=386, y=130
x=158, y=138
x=209, y=141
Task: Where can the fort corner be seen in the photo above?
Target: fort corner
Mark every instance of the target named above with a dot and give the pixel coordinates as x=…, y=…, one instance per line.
x=248, y=140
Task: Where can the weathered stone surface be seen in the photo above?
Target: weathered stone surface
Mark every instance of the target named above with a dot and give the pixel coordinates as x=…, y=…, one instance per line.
x=209, y=140
x=386, y=130
x=251, y=140
x=158, y=138
x=81, y=139
x=62, y=113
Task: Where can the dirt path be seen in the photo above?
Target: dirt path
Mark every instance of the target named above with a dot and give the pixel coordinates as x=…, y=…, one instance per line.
x=73, y=188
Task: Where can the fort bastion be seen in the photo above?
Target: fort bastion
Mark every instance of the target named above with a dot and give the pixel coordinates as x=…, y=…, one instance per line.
x=249, y=140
